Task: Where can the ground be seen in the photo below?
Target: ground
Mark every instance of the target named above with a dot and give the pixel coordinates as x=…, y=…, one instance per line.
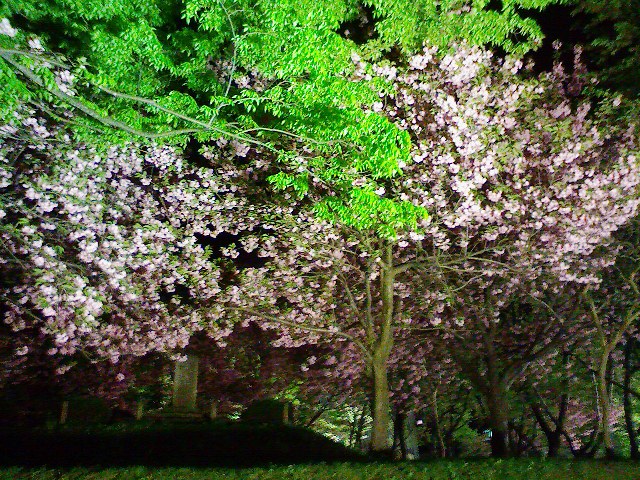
x=514, y=469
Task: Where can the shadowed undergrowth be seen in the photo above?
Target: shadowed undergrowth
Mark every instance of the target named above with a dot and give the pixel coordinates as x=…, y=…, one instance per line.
x=245, y=450
x=206, y=445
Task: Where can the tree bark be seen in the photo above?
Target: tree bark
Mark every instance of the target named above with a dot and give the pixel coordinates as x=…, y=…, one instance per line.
x=405, y=437
x=380, y=410
x=553, y=435
x=436, y=419
x=605, y=406
x=399, y=439
x=380, y=354
x=360, y=430
x=64, y=412
x=553, y=445
x=185, y=385
x=352, y=431
x=411, y=437
x=634, y=452
x=140, y=409
x=498, y=422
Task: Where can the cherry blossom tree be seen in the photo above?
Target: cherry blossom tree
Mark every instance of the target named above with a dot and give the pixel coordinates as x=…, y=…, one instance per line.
x=510, y=181
x=101, y=247
x=614, y=313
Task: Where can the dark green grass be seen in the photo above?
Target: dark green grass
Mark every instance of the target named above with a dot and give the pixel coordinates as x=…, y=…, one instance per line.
x=514, y=469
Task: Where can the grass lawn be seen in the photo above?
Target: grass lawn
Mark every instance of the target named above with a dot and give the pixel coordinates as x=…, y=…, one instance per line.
x=515, y=469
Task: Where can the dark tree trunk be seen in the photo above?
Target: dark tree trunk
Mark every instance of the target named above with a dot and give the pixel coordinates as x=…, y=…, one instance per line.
x=498, y=421
x=634, y=453
x=405, y=441
x=522, y=442
x=399, y=440
x=499, y=447
x=442, y=451
x=553, y=435
x=602, y=386
x=589, y=449
x=554, y=446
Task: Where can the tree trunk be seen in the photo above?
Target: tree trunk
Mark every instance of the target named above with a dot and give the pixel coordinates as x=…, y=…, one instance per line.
x=64, y=412
x=405, y=437
x=352, y=431
x=499, y=447
x=553, y=435
x=383, y=344
x=399, y=440
x=498, y=422
x=380, y=410
x=634, y=452
x=140, y=410
x=213, y=410
x=411, y=437
x=605, y=406
x=442, y=451
x=554, y=445
x=316, y=415
x=185, y=385
x=360, y=430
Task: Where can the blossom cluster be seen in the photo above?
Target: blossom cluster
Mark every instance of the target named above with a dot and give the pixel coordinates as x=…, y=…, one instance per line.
x=102, y=246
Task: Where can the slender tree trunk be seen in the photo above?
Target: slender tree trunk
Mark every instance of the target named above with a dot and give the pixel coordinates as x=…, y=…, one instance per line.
x=520, y=440
x=140, y=410
x=512, y=438
x=549, y=434
x=380, y=409
x=213, y=410
x=316, y=416
x=64, y=412
x=399, y=439
x=605, y=405
x=405, y=441
x=634, y=452
x=493, y=395
x=360, y=430
x=383, y=344
x=352, y=430
x=555, y=441
x=436, y=418
x=553, y=444
x=411, y=437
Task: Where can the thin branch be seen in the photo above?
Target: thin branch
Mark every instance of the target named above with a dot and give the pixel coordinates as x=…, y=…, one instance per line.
x=309, y=328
